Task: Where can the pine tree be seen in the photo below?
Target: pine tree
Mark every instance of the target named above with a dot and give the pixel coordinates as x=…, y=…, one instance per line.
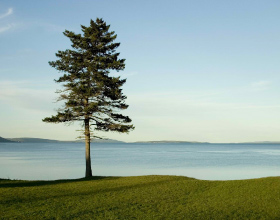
x=91, y=96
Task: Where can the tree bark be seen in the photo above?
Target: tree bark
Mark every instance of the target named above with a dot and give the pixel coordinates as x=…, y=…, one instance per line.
x=87, y=142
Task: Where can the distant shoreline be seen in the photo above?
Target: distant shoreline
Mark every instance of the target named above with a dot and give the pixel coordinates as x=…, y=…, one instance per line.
x=111, y=141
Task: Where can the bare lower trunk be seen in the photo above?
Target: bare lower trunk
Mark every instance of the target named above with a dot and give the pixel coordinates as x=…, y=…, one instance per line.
x=87, y=141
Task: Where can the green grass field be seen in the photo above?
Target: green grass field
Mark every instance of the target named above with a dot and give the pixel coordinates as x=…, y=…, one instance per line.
x=143, y=197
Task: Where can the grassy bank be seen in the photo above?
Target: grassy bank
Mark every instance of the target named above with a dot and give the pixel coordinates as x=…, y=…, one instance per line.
x=144, y=197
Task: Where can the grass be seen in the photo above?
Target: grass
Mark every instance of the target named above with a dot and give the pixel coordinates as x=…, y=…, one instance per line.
x=143, y=197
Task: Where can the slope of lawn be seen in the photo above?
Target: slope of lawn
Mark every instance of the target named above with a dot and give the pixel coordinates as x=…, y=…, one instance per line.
x=143, y=197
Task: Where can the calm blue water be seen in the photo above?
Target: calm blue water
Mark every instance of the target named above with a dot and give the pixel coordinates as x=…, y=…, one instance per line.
x=48, y=161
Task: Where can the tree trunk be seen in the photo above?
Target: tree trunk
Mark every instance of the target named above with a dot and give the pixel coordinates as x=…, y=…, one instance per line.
x=87, y=141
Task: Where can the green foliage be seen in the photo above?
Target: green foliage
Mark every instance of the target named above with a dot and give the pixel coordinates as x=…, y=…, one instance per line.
x=89, y=92
x=143, y=197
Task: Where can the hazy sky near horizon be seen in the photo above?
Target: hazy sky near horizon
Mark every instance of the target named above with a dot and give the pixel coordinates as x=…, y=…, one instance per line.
x=196, y=70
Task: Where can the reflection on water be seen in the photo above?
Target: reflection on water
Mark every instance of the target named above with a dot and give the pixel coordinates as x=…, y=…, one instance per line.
x=203, y=161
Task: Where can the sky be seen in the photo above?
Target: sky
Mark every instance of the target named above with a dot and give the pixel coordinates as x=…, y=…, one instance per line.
x=196, y=70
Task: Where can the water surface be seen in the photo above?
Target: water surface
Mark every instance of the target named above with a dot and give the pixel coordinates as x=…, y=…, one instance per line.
x=48, y=161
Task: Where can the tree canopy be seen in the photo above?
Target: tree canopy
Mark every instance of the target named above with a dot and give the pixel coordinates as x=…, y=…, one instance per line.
x=89, y=93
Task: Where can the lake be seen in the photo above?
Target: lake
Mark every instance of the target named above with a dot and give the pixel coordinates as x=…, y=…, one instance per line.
x=49, y=161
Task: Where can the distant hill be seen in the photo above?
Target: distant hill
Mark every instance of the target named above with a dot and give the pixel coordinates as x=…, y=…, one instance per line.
x=100, y=141
x=33, y=140
x=196, y=142
x=172, y=142
x=41, y=140
x=262, y=142
x=4, y=140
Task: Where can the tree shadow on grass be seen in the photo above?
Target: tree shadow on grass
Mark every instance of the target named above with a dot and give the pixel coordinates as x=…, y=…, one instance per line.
x=7, y=183
x=77, y=195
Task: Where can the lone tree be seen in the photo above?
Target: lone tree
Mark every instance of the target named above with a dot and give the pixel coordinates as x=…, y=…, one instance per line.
x=91, y=96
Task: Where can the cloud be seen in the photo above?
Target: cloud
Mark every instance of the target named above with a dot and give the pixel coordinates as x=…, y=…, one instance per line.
x=132, y=73
x=198, y=104
x=6, y=28
x=50, y=27
x=261, y=85
x=27, y=95
x=9, y=12
x=124, y=74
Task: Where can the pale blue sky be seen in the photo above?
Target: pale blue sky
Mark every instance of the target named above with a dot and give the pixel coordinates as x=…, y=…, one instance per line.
x=196, y=70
